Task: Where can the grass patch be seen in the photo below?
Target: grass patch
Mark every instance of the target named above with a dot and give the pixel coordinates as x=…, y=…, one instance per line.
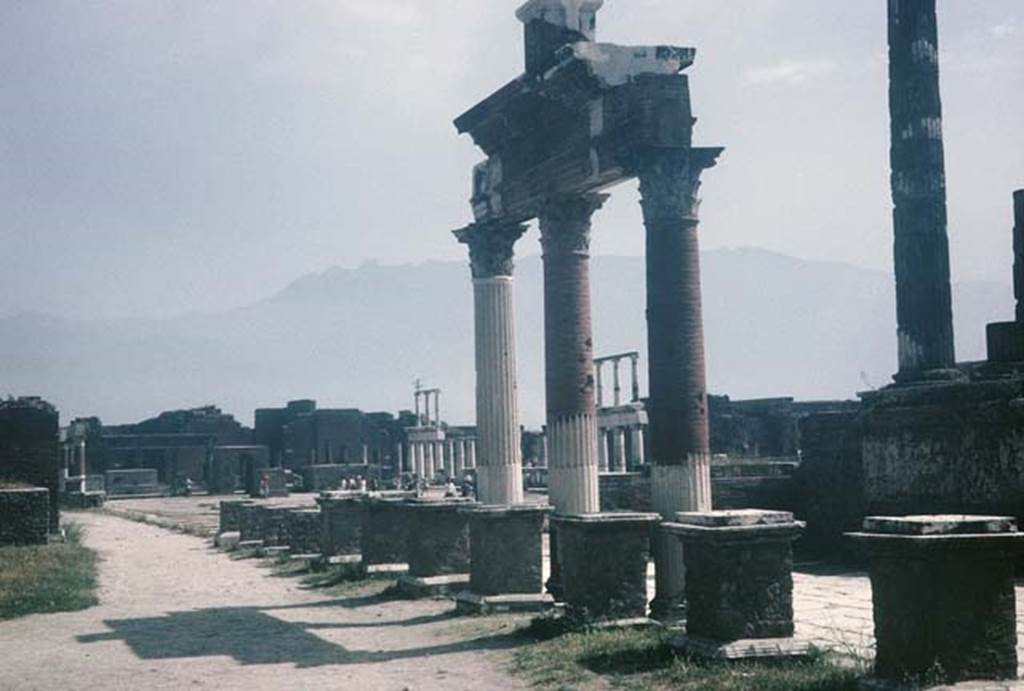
x=59, y=577
x=641, y=659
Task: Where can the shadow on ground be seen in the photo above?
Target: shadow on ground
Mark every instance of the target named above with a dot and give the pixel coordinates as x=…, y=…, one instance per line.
x=253, y=637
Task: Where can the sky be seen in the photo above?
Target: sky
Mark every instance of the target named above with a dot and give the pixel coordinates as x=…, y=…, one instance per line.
x=160, y=157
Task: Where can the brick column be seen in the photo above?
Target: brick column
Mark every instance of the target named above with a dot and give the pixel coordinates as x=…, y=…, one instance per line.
x=569, y=354
x=924, y=311
x=679, y=438
x=491, y=251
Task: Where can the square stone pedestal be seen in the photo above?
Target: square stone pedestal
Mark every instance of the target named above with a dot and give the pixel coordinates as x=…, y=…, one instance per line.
x=506, y=560
x=739, y=583
x=230, y=511
x=1006, y=342
x=943, y=596
x=341, y=523
x=437, y=544
x=603, y=559
x=384, y=537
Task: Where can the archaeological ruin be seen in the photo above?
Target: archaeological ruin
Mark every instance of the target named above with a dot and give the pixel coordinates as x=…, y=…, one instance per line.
x=639, y=503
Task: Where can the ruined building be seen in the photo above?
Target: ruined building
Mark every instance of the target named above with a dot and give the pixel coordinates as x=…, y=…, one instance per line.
x=29, y=429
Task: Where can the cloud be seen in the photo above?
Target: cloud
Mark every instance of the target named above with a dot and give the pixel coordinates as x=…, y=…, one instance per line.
x=790, y=72
x=393, y=12
x=1005, y=29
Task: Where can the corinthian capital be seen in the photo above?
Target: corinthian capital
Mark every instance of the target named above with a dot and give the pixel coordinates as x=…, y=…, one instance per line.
x=565, y=223
x=670, y=182
x=491, y=247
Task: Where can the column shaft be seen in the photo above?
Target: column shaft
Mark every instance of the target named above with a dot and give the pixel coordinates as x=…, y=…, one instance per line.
x=924, y=312
x=679, y=438
x=569, y=355
x=499, y=472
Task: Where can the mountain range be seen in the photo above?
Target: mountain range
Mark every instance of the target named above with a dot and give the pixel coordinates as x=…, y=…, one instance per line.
x=360, y=338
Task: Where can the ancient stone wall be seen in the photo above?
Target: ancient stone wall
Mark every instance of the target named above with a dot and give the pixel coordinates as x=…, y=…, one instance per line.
x=24, y=516
x=322, y=478
x=126, y=483
x=949, y=448
x=28, y=447
x=829, y=483
x=765, y=485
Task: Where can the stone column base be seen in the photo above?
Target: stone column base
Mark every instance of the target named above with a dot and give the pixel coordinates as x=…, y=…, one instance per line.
x=437, y=542
x=739, y=573
x=942, y=588
x=384, y=535
x=603, y=559
x=506, y=559
x=745, y=649
x=1006, y=342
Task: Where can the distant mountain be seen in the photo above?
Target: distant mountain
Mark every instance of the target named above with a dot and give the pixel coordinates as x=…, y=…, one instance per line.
x=359, y=338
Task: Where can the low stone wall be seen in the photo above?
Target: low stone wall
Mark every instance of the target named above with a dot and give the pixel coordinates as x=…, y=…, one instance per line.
x=127, y=483
x=744, y=484
x=624, y=492
x=754, y=484
x=24, y=516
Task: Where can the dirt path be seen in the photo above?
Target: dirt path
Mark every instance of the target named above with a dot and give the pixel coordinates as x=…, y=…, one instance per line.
x=176, y=614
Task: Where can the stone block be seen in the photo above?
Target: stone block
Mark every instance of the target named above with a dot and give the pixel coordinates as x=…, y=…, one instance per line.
x=24, y=516
x=506, y=548
x=438, y=537
x=603, y=559
x=943, y=595
x=384, y=536
x=249, y=525
x=272, y=528
x=230, y=515
x=302, y=530
x=1006, y=342
x=341, y=523
x=739, y=574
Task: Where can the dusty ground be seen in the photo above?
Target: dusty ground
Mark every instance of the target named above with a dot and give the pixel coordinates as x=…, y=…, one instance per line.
x=176, y=614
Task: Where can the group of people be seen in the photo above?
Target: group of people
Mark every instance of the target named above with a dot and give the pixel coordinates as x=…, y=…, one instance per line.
x=356, y=484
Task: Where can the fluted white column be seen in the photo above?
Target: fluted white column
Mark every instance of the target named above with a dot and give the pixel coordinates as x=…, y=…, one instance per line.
x=471, y=453
x=460, y=457
x=573, y=480
x=619, y=440
x=499, y=470
x=602, y=450
x=638, y=446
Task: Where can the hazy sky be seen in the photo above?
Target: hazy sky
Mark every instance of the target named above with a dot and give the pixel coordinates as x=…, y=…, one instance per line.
x=162, y=156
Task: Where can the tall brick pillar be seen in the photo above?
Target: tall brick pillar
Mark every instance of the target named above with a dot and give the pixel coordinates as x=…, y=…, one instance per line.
x=499, y=473
x=924, y=311
x=678, y=412
x=569, y=354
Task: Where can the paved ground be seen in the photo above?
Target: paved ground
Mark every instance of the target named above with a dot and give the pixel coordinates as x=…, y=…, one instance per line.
x=832, y=608
x=176, y=614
